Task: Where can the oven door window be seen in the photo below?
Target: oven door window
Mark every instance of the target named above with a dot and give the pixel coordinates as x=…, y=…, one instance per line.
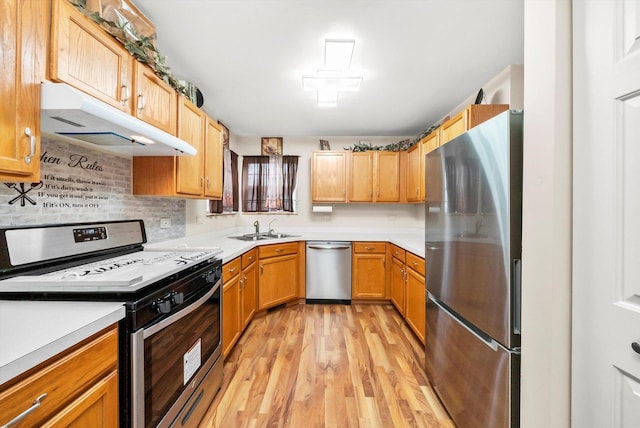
x=174, y=354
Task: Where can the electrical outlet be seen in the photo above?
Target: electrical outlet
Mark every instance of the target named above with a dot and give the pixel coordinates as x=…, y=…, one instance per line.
x=165, y=223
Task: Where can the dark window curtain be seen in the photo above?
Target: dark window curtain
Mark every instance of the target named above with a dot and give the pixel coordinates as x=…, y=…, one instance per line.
x=234, y=177
x=289, y=174
x=217, y=206
x=255, y=170
x=255, y=178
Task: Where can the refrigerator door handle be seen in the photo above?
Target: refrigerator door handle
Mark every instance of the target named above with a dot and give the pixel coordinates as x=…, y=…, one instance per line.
x=517, y=297
x=489, y=342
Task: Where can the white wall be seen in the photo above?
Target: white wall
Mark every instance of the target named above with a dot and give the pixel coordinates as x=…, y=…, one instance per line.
x=507, y=87
x=546, y=237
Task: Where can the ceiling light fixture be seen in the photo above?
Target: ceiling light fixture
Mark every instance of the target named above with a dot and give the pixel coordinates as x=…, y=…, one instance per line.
x=338, y=54
x=334, y=77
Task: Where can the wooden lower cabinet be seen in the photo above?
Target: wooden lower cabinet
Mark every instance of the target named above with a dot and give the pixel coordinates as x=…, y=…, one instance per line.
x=231, y=309
x=278, y=274
x=416, y=297
x=81, y=386
x=249, y=287
x=368, y=273
x=398, y=279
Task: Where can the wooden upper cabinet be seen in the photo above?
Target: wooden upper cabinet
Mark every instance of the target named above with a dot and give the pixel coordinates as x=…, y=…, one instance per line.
x=374, y=176
x=414, y=156
x=23, y=55
x=191, y=128
x=387, y=177
x=415, y=172
x=471, y=116
x=198, y=176
x=361, y=177
x=213, y=166
x=329, y=176
x=86, y=57
x=155, y=101
x=430, y=142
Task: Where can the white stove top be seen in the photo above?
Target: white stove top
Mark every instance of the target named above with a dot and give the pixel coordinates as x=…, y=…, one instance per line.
x=127, y=273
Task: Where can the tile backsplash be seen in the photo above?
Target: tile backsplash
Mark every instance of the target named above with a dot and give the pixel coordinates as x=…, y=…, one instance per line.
x=80, y=184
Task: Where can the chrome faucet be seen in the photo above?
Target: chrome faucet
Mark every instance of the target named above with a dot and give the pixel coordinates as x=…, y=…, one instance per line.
x=256, y=224
x=271, y=231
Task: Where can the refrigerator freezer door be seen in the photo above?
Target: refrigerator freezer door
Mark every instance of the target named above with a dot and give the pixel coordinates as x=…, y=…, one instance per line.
x=476, y=379
x=473, y=224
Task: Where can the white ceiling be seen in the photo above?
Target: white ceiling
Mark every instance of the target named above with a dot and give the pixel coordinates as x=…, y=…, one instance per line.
x=419, y=59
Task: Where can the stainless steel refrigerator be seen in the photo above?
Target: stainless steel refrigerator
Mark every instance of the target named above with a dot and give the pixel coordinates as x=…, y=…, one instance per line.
x=473, y=218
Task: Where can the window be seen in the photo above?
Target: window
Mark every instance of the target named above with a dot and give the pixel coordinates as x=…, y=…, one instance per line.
x=269, y=183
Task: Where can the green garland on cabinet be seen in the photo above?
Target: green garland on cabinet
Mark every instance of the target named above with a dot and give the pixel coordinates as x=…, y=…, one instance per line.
x=141, y=47
x=400, y=146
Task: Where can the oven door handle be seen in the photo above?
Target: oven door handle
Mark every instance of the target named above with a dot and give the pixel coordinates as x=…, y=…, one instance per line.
x=150, y=331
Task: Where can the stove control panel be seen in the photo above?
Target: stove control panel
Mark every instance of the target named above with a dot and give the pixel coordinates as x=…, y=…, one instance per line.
x=90, y=234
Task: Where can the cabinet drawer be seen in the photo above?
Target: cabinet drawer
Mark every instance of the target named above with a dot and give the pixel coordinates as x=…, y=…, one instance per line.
x=278, y=249
x=416, y=263
x=231, y=269
x=63, y=378
x=398, y=252
x=369, y=247
x=249, y=257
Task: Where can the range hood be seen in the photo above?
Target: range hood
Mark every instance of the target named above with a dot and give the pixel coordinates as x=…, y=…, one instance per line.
x=71, y=113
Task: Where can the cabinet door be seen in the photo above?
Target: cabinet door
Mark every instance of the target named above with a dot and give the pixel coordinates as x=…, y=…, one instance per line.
x=416, y=303
x=231, y=327
x=427, y=145
x=191, y=128
x=155, y=101
x=430, y=142
x=249, y=293
x=413, y=174
x=213, y=167
x=455, y=126
x=98, y=407
x=278, y=280
x=387, y=177
x=361, y=177
x=23, y=53
x=398, y=285
x=329, y=177
x=86, y=57
x=368, y=276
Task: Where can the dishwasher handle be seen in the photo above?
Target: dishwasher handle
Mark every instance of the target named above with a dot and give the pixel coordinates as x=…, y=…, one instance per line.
x=328, y=247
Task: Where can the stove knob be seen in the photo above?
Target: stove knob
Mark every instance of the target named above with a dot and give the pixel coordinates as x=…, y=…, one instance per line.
x=177, y=298
x=162, y=306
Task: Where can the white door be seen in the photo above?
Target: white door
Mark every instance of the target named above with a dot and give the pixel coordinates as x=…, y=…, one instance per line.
x=606, y=233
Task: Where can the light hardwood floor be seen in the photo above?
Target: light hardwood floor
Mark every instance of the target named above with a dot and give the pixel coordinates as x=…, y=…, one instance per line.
x=327, y=366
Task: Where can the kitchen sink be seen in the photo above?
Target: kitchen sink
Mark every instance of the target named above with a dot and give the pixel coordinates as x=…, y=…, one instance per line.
x=261, y=236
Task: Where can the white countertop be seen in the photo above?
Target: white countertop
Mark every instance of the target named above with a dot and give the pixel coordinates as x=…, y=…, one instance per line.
x=33, y=331
x=232, y=248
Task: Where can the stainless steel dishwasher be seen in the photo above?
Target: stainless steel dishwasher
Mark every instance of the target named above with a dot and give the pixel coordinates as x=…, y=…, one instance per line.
x=328, y=272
